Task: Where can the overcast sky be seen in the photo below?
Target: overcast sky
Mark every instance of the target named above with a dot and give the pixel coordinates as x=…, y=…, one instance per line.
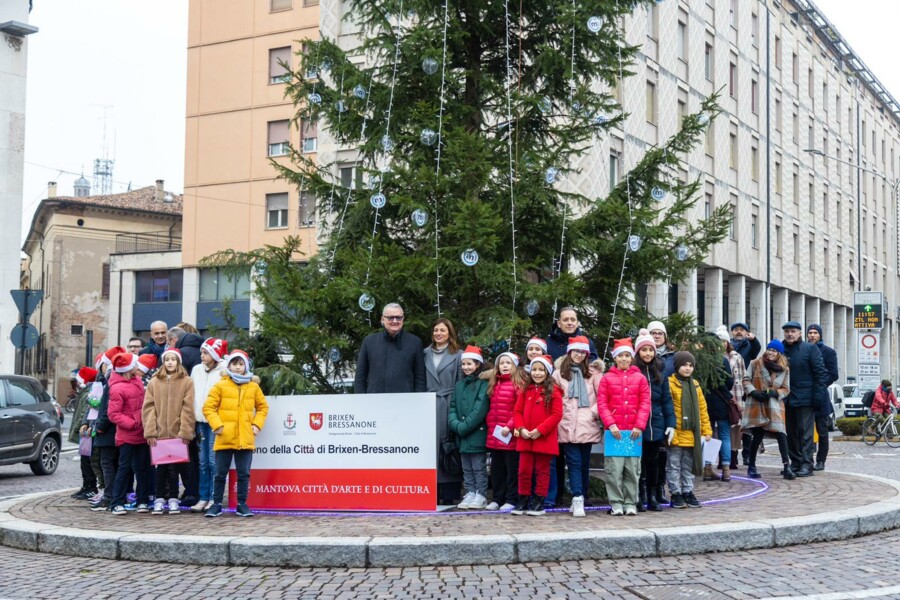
x=131, y=57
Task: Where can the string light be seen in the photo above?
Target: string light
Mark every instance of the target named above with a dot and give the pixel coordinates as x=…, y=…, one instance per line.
x=437, y=168
x=509, y=143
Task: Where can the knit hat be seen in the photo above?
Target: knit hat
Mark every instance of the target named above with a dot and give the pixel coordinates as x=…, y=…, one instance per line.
x=739, y=324
x=792, y=325
x=248, y=364
x=124, y=362
x=85, y=375
x=216, y=347
x=816, y=327
x=513, y=357
x=683, y=357
x=147, y=362
x=545, y=360
x=536, y=341
x=108, y=356
x=173, y=351
x=643, y=339
x=723, y=334
x=472, y=353
x=885, y=383
x=579, y=342
x=775, y=345
x=622, y=345
x=657, y=325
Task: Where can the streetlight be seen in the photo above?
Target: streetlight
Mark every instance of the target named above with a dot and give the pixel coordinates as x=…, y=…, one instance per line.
x=894, y=185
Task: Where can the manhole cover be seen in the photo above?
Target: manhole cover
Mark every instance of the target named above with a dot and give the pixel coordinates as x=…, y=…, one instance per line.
x=687, y=591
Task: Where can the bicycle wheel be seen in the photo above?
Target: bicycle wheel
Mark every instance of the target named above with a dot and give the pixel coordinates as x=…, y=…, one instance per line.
x=70, y=404
x=870, y=431
x=892, y=433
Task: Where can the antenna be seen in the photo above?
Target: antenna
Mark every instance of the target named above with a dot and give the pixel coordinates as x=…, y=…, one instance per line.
x=103, y=167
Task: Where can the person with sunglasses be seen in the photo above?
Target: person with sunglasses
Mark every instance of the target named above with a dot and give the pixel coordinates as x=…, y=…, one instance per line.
x=390, y=361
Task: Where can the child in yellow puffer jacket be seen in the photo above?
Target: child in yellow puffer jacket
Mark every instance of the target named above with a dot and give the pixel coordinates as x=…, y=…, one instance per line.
x=236, y=410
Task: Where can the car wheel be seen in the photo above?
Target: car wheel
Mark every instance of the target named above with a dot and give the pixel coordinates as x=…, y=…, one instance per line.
x=48, y=459
x=832, y=423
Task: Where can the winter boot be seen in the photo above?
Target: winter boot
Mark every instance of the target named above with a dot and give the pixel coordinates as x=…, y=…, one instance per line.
x=752, y=473
x=733, y=465
x=726, y=473
x=536, y=507
x=661, y=493
x=788, y=472
x=708, y=474
x=642, y=495
x=521, y=506
x=652, y=503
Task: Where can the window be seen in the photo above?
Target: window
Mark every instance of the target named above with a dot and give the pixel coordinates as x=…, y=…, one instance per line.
x=20, y=393
x=754, y=161
x=809, y=87
x=307, y=209
x=778, y=239
x=778, y=113
x=795, y=132
x=796, y=245
x=777, y=52
x=825, y=258
x=754, y=97
x=733, y=147
x=732, y=14
x=682, y=40
x=753, y=230
x=351, y=177
x=276, y=5
x=840, y=217
x=279, y=59
x=76, y=330
x=216, y=285
x=812, y=198
x=711, y=139
x=825, y=97
x=276, y=211
x=732, y=77
x=732, y=232
x=754, y=29
x=279, y=138
x=708, y=201
x=812, y=256
x=708, y=58
x=613, y=169
x=778, y=186
x=159, y=286
x=825, y=210
x=652, y=22
x=795, y=68
x=651, y=102
x=795, y=186
x=309, y=131
x=104, y=281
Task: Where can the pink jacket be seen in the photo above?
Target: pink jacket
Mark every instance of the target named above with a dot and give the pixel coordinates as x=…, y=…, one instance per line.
x=126, y=399
x=881, y=404
x=623, y=399
x=579, y=425
x=503, y=403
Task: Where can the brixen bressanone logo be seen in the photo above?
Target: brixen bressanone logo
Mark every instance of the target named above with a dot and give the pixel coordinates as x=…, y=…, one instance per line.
x=316, y=420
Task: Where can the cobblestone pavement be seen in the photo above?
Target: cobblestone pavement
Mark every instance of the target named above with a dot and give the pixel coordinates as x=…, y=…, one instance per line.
x=826, y=571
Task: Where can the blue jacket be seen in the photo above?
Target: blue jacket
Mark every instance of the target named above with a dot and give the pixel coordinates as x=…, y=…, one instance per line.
x=748, y=349
x=718, y=397
x=668, y=358
x=104, y=429
x=662, y=412
x=829, y=357
x=557, y=342
x=808, y=375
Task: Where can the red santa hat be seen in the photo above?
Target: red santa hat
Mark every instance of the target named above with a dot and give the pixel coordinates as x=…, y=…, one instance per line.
x=545, y=360
x=622, y=345
x=243, y=356
x=107, y=357
x=473, y=353
x=644, y=339
x=536, y=341
x=85, y=376
x=147, y=362
x=173, y=351
x=216, y=347
x=511, y=356
x=124, y=362
x=579, y=342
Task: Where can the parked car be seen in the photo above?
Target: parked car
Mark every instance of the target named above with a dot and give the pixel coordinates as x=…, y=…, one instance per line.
x=30, y=426
x=853, y=406
x=836, y=394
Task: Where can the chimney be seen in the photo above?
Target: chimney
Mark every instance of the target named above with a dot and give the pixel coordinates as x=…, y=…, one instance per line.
x=51, y=189
x=159, y=190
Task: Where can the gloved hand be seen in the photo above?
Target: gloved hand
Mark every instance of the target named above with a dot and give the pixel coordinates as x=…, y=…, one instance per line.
x=670, y=434
x=758, y=395
x=773, y=393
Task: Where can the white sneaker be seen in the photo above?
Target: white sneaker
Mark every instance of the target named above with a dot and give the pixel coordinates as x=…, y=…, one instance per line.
x=478, y=503
x=174, y=508
x=466, y=501
x=159, y=506
x=631, y=510
x=200, y=506
x=617, y=511
x=507, y=506
x=578, y=506
x=492, y=506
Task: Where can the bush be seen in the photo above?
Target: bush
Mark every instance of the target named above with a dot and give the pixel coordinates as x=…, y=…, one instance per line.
x=851, y=425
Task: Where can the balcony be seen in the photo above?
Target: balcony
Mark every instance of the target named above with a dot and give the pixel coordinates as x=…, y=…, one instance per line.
x=139, y=243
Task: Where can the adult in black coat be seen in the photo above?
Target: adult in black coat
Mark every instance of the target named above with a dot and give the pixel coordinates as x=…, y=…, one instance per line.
x=824, y=409
x=390, y=361
x=567, y=326
x=744, y=342
x=808, y=382
x=158, y=335
x=186, y=343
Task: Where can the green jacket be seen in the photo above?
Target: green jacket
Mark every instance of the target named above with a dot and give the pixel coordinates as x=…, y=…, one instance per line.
x=78, y=417
x=468, y=408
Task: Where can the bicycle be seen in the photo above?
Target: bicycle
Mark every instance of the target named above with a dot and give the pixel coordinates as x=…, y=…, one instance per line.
x=889, y=429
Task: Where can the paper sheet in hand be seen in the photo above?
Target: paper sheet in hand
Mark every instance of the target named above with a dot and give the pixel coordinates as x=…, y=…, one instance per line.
x=711, y=450
x=169, y=451
x=499, y=435
x=624, y=447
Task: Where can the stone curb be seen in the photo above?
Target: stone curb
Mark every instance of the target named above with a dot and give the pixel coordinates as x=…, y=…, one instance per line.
x=448, y=550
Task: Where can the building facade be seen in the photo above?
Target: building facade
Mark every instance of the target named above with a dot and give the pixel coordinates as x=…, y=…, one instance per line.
x=14, y=32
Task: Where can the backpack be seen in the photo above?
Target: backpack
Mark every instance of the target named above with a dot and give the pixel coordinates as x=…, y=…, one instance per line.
x=868, y=399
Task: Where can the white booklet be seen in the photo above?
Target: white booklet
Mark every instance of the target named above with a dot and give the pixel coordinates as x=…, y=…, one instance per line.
x=498, y=433
x=711, y=450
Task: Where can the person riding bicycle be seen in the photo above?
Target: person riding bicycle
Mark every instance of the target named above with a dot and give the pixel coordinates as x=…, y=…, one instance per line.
x=883, y=401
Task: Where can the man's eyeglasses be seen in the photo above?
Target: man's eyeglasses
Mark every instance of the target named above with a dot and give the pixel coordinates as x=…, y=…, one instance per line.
x=393, y=318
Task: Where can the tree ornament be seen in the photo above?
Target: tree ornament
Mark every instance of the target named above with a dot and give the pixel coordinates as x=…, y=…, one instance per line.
x=469, y=257
x=387, y=144
x=419, y=217
x=594, y=24
x=378, y=200
x=260, y=268
x=359, y=91
x=681, y=253
x=374, y=181
x=430, y=66
x=315, y=98
x=601, y=119
x=366, y=302
x=657, y=193
x=545, y=105
x=326, y=64
x=531, y=307
x=307, y=320
x=550, y=174
x=634, y=242
x=428, y=137
x=334, y=355
x=703, y=118
x=340, y=106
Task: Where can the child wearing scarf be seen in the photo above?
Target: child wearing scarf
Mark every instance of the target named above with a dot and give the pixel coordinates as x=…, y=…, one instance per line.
x=580, y=425
x=236, y=411
x=691, y=423
x=767, y=384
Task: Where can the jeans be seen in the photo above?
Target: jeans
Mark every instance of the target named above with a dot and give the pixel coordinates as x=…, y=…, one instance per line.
x=133, y=458
x=552, y=483
x=538, y=465
x=475, y=477
x=190, y=473
x=822, y=429
x=109, y=462
x=242, y=460
x=799, y=422
x=722, y=429
x=680, y=470
x=207, y=460
x=504, y=475
x=579, y=458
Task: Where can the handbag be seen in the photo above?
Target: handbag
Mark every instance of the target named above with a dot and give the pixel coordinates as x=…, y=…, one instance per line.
x=85, y=445
x=169, y=451
x=449, y=459
x=734, y=412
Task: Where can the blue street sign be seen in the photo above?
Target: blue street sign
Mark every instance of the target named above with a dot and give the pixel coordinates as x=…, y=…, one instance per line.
x=26, y=301
x=24, y=336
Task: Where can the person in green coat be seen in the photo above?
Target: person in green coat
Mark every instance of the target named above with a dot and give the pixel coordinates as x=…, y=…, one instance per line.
x=468, y=409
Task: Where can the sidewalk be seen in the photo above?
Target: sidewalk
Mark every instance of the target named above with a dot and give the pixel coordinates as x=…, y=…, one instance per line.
x=738, y=515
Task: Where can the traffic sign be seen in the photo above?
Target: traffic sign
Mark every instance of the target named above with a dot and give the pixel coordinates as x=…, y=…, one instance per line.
x=868, y=383
x=24, y=336
x=868, y=310
x=26, y=301
x=868, y=348
x=870, y=369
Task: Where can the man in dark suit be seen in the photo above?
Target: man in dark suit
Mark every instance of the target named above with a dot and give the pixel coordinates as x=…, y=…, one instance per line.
x=824, y=409
x=391, y=360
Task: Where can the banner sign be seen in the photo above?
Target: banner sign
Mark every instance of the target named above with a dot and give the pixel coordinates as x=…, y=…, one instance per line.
x=346, y=452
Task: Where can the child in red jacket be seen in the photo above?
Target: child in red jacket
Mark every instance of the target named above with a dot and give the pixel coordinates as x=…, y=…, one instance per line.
x=623, y=401
x=504, y=458
x=537, y=414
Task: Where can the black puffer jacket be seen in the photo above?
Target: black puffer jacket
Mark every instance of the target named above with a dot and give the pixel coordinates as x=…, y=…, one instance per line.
x=189, y=346
x=808, y=375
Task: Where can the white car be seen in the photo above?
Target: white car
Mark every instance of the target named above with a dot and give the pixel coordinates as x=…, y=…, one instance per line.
x=853, y=406
x=836, y=395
